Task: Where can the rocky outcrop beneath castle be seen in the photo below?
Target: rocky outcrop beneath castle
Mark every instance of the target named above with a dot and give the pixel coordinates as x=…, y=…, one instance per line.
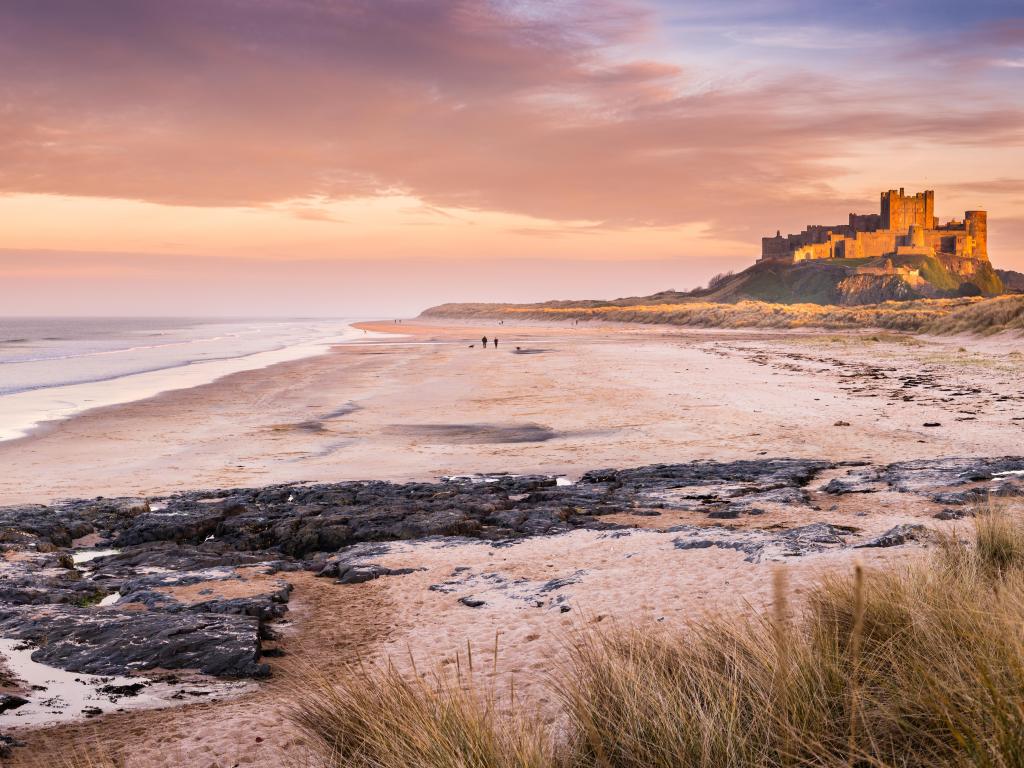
x=862, y=283
x=862, y=289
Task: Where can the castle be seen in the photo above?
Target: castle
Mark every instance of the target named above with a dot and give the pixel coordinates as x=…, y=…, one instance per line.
x=905, y=226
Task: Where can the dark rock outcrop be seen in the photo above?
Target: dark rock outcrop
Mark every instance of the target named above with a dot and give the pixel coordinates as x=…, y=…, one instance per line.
x=9, y=701
x=338, y=529
x=117, y=642
x=293, y=521
x=897, y=535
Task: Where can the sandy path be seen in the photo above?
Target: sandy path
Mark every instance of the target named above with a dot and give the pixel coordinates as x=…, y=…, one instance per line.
x=611, y=396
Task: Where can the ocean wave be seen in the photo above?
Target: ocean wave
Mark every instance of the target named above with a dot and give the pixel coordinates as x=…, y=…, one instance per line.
x=24, y=407
x=135, y=371
x=121, y=350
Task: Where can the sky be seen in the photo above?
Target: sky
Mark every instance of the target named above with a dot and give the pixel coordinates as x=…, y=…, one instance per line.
x=374, y=157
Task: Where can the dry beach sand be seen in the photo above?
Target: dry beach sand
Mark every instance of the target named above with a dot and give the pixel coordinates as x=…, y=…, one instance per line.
x=427, y=404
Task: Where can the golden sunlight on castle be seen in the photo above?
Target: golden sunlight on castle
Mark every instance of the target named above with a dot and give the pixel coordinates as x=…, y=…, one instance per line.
x=905, y=226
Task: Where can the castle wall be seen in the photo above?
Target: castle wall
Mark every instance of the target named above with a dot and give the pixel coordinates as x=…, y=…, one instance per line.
x=813, y=251
x=865, y=222
x=956, y=242
x=874, y=244
x=775, y=248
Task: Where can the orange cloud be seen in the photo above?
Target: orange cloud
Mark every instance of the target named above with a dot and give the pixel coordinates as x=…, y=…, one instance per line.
x=203, y=140
x=460, y=103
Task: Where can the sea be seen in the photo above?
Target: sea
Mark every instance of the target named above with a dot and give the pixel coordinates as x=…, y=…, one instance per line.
x=54, y=368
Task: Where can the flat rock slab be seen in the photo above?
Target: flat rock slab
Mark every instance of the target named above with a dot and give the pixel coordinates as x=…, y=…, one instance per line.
x=120, y=642
x=897, y=535
x=928, y=476
x=300, y=519
x=761, y=545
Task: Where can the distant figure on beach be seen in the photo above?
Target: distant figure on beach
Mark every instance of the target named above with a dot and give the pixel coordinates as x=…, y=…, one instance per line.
x=495, y=343
x=484, y=340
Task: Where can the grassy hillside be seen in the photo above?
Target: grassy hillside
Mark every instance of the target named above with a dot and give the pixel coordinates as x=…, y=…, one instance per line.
x=825, y=293
x=832, y=282
x=828, y=282
x=784, y=284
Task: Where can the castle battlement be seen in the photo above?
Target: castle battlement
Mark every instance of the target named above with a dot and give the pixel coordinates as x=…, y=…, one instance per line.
x=904, y=226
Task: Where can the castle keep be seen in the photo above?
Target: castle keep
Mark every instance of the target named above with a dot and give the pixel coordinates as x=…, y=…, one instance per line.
x=905, y=226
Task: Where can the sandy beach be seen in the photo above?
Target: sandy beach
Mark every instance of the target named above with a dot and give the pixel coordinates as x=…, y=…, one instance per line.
x=555, y=400
x=426, y=404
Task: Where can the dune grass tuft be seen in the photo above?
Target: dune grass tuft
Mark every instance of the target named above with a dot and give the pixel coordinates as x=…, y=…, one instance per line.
x=378, y=716
x=917, y=665
x=1003, y=313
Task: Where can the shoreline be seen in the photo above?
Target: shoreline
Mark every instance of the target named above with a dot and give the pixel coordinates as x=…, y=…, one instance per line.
x=24, y=413
x=417, y=404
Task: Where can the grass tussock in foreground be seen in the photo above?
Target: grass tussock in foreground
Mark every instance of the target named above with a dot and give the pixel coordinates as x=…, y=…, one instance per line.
x=940, y=316
x=378, y=717
x=917, y=665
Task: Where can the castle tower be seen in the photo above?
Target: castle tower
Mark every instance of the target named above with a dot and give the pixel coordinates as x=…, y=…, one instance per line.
x=977, y=228
x=899, y=212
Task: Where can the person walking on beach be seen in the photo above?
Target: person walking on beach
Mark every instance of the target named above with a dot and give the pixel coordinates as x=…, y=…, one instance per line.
x=484, y=340
x=495, y=343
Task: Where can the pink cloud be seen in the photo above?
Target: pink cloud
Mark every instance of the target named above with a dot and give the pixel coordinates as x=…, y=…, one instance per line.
x=462, y=103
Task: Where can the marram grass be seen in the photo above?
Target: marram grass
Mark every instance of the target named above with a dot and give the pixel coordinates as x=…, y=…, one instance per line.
x=937, y=316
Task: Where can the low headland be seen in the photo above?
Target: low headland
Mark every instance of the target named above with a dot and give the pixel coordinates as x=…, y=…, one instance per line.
x=929, y=316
